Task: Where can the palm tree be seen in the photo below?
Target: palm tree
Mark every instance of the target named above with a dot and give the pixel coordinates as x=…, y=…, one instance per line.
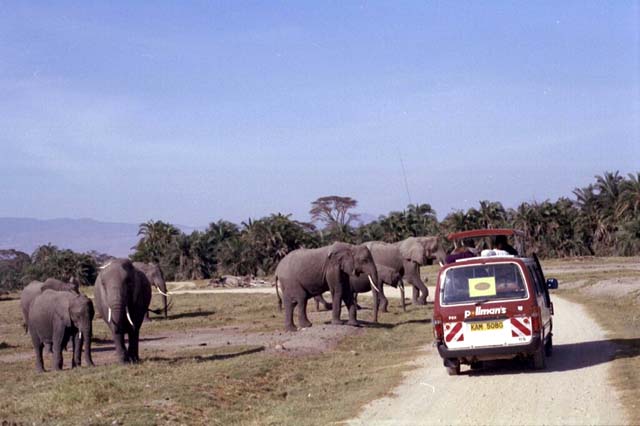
x=491, y=215
x=157, y=236
x=628, y=203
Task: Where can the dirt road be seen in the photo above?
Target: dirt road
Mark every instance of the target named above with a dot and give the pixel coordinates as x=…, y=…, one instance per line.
x=572, y=390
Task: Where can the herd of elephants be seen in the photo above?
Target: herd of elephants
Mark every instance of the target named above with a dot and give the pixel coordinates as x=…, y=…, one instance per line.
x=56, y=313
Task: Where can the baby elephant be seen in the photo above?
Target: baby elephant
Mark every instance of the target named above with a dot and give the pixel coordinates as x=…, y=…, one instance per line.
x=55, y=317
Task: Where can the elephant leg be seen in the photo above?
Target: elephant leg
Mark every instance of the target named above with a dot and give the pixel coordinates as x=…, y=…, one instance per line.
x=321, y=301
x=121, y=350
x=420, y=291
x=355, y=300
x=384, y=302
x=303, y=321
x=351, y=307
x=415, y=295
x=57, y=354
x=376, y=305
x=87, y=349
x=132, y=351
x=76, y=345
x=336, y=306
x=38, y=346
x=289, y=305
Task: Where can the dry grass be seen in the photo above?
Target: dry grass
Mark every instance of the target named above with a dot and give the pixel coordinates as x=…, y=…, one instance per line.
x=619, y=313
x=228, y=385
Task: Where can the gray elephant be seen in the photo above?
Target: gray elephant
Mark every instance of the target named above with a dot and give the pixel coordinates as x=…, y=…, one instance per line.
x=55, y=317
x=35, y=288
x=305, y=273
x=406, y=257
x=155, y=277
x=122, y=297
x=386, y=275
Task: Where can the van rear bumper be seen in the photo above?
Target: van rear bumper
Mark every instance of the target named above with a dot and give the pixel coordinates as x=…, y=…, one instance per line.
x=498, y=351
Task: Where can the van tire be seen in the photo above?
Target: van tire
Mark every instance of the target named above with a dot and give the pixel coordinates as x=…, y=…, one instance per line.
x=538, y=359
x=476, y=365
x=548, y=347
x=453, y=370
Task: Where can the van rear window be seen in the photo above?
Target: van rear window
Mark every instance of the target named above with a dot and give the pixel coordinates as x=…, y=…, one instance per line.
x=496, y=281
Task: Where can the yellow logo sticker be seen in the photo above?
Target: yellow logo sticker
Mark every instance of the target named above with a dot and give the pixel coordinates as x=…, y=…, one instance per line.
x=484, y=286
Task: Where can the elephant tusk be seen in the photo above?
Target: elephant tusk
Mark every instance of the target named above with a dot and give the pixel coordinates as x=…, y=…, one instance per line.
x=129, y=317
x=109, y=318
x=79, y=334
x=164, y=294
x=402, y=284
x=372, y=284
x=441, y=264
x=104, y=266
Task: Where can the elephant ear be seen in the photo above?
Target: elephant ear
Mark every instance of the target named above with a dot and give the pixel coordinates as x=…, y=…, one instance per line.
x=411, y=249
x=63, y=309
x=347, y=263
x=342, y=257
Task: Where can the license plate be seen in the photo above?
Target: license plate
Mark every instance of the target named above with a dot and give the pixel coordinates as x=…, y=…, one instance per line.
x=486, y=326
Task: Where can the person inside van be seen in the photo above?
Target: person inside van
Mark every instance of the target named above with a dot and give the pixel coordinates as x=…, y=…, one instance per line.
x=502, y=244
x=467, y=249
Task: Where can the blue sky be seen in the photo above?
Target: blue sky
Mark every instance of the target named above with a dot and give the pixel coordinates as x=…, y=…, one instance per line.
x=195, y=111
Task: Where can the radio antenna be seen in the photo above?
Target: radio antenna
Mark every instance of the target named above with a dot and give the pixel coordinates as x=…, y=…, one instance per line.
x=406, y=183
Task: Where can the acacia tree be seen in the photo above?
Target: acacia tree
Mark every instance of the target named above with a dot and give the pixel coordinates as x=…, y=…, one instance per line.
x=334, y=212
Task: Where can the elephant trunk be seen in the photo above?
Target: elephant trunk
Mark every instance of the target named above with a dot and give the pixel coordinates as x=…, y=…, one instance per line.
x=164, y=303
x=373, y=286
x=117, y=318
x=162, y=289
x=441, y=255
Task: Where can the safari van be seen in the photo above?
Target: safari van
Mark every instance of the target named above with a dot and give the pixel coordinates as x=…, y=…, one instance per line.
x=492, y=305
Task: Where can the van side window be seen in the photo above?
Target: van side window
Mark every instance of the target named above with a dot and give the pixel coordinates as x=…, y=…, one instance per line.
x=536, y=279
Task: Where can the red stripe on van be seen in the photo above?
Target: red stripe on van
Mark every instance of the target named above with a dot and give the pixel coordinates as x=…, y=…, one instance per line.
x=452, y=333
x=515, y=322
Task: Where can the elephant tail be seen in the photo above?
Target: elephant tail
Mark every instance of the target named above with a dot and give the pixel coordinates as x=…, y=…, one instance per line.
x=278, y=294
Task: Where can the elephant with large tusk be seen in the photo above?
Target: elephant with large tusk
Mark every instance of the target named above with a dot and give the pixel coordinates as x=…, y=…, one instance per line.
x=122, y=296
x=387, y=276
x=155, y=277
x=305, y=273
x=406, y=257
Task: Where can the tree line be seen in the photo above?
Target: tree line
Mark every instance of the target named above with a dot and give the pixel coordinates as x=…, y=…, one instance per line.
x=601, y=219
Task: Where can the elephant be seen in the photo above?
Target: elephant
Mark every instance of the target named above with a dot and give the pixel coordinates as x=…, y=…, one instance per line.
x=122, y=297
x=155, y=277
x=55, y=317
x=386, y=275
x=35, y=288
x=406, y=257
x=305, y=273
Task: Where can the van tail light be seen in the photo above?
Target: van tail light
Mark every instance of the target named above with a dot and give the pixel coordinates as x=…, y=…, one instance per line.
x=535, y=319
x=438, y=331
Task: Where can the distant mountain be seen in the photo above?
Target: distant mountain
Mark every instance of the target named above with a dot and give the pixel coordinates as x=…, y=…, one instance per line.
x=365, y=219
x=79, y=235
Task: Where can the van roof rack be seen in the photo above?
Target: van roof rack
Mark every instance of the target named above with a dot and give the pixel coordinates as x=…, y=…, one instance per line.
x=477, y=233
x=480, y=233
